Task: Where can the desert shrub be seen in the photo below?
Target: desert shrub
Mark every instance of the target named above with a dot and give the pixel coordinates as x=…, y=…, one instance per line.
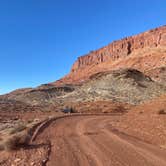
x=1, y=147
x=162, y=112
x=19, y=137
x=119, y=109
x=105, y=111
x=12, y=143
x=17, y=129
x=72, y=110
x=30, y=121
x=16, y=141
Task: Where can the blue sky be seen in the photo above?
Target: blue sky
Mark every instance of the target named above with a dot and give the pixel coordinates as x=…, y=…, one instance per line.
x=40, y=39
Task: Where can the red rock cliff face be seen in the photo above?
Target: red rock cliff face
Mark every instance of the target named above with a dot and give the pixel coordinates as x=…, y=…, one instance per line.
x=122, y=48
x=103, y=58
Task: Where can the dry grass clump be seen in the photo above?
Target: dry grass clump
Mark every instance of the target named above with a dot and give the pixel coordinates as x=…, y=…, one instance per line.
x=16, y=137
x=19, y=136
x=12, y=143
x=18, y=128
x=15, y=141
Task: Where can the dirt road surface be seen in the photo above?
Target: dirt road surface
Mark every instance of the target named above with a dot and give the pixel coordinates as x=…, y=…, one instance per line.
x=92, y=141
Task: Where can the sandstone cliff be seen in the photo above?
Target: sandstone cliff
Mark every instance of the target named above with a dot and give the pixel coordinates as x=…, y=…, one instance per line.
x=143, y=51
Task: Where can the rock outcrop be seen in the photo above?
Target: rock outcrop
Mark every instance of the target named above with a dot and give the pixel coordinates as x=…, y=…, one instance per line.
x=144, y=44
x=123, y=48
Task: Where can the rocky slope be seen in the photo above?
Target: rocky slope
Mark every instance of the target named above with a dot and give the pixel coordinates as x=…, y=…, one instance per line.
x=158, y=74
x=125, y=86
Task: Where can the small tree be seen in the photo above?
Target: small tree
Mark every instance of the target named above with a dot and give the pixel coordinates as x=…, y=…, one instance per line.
x=72, y=110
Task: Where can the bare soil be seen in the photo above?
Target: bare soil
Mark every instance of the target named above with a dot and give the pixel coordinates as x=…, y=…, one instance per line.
x=86, y=140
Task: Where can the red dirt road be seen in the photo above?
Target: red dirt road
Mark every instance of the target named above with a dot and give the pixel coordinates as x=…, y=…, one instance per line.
x=92, y=141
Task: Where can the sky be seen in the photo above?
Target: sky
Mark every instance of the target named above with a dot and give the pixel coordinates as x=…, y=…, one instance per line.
x=41, y=39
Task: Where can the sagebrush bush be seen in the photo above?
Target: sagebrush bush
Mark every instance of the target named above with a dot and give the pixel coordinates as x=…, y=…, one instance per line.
x=16, y=141
x=18, y=128
x=12, y=143
x=73, y=110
